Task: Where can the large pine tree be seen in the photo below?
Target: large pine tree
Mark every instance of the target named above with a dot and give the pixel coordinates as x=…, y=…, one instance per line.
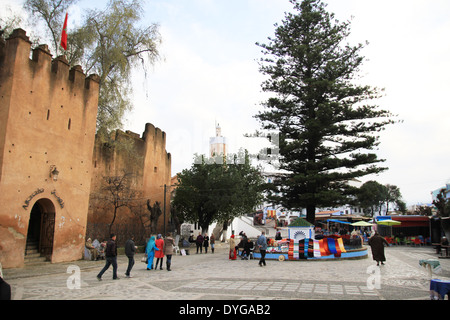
x=328, y=123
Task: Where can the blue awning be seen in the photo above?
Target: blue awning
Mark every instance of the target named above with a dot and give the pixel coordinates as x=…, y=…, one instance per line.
x=378, y=218
x=338, y=221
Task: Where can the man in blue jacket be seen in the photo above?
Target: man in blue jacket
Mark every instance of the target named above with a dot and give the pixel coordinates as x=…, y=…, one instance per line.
x=262, y=245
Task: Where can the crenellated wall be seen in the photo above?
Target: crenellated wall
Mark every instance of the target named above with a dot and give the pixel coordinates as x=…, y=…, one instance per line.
x=148, y=164
x=47, y=121
x=52, y=168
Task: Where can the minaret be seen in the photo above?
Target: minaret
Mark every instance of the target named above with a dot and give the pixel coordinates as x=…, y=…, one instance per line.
x=218, y=144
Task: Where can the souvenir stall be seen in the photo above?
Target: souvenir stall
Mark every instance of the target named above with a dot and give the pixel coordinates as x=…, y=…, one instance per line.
x=302, y=245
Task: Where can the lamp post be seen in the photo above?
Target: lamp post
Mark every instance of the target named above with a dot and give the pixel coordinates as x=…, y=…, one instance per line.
x=165, y=189
x=54, y=173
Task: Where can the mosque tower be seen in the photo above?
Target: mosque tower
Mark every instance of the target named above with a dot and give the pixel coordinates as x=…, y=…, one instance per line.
x=217, y=144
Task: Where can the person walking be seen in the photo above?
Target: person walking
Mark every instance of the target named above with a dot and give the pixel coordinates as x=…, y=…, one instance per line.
x=159, y=255
x=232, y=255
x=212, y=241
x=206, y=242
x=376, y=243
x=111, y=258
x=130, y=250
x=199, y=242
x=150, y=251
x=168, y=250
x=262, y=245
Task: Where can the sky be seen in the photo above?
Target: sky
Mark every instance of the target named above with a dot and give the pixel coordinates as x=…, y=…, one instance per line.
x=209, y=74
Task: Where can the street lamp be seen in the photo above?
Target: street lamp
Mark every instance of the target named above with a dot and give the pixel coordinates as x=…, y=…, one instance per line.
x=54, y=173
x=165, y=189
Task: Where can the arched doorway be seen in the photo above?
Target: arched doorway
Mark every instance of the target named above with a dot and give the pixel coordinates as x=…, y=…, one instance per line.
x=41, y=229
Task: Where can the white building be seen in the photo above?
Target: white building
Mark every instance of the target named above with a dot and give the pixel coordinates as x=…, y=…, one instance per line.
x=218, y=144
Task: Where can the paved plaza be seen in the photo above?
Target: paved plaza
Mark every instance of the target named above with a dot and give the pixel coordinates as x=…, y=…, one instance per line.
x=214, y=277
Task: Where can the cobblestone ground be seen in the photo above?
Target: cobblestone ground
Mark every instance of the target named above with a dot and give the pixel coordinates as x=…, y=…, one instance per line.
x=214, y=277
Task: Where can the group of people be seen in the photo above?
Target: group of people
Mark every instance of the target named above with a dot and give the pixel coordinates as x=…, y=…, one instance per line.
x=204, y=242
x=247, y=245
x=95, y=250
x=158, y=248
x=155, y=248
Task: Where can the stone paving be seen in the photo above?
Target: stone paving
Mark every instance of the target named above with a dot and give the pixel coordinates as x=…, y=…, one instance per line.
x=214, y=277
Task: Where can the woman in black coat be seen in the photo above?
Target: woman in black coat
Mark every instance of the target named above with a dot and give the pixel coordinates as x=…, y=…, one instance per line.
x=206, y=243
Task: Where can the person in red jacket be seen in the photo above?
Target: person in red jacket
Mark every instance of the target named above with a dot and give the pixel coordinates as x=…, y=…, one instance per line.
x=159, y=254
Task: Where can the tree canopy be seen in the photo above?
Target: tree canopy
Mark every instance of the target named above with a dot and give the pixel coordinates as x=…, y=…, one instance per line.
x=328, y=124
x=442, y=203
x=372, y=196
x=111, y=43
x=210, y=192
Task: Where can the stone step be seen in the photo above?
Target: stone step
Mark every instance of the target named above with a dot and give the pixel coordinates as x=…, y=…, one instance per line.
x=32, y=255
x=32, y=248
x=31, y=252
x=34, y=259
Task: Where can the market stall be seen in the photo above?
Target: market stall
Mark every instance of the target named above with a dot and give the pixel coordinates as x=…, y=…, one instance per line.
x=302, y=245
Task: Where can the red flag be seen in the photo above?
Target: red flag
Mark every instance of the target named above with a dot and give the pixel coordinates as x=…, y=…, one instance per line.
x=64, y=34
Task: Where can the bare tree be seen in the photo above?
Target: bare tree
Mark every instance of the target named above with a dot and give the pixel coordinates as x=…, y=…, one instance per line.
x=119, y=192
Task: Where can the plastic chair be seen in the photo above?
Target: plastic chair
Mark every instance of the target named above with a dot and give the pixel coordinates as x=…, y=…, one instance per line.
x=422, y=240
x=417, y=241
x=176, y=247
x=407, y=240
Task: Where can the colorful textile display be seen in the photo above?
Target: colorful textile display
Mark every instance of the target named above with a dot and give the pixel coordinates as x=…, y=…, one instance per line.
x=317, y=252
x=326, y=249
x=322, y=248
x=332, y=247
x=291, y=250
x=341, y=245
x=301, y=249
x=310, y=248
x=271, y=213
x=305, y=251
x=296, y=251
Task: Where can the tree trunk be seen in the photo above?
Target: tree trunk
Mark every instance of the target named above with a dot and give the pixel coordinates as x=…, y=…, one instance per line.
x=224, y=231
x=311, y=213
x=112, y=222
x=445, y=224
x=218, y=231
